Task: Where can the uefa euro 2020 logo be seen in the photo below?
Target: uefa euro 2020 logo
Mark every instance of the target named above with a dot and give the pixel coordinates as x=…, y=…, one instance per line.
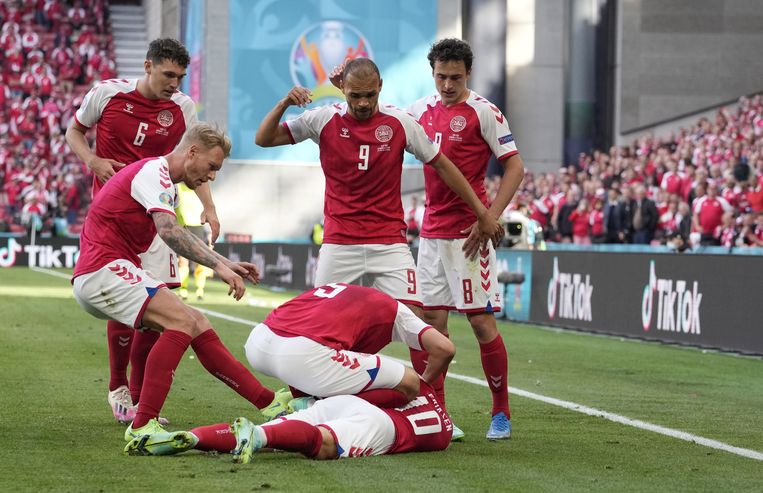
x=318, y=50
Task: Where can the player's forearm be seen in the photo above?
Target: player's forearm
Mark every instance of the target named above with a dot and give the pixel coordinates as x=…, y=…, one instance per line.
x=183, y=242
x=456, y=181
x=267, y=133
x=440, y=352
x=78, y=143
x=513, y=174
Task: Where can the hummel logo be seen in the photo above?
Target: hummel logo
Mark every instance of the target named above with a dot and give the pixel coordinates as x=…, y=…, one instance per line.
x=496, y=381
x=128, y=107
x=124, y=341
x=345, y=133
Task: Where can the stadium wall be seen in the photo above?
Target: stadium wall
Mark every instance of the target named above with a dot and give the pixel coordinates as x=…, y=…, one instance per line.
x=680, y=57
x=696, y=299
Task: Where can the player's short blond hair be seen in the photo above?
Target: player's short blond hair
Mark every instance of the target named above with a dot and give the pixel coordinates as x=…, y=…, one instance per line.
x=207, y=135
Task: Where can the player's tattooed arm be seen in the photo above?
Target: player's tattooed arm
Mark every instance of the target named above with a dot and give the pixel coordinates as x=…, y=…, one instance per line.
x=183, y=242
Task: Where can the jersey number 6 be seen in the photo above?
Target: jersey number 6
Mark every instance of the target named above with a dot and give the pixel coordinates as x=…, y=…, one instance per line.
x=140, y=136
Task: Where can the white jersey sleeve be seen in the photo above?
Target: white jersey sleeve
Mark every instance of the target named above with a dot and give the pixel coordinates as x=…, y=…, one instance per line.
x=187, y=106
x=96, y=99
x=494, y=127
x=408, y=327
x=417, y=108
x=416, y=140
x=153, y=189
x=309, y=124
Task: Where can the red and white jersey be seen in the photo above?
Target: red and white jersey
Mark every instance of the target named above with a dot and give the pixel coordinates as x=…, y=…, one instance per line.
x=709, y=212
x=132, y=127
x=345, y=317
x=363, y=165
x=672, y=182
x=119, y=224
x=468, y=133
x=422, y=425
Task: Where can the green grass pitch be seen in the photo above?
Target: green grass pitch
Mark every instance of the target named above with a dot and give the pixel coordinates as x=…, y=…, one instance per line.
x=57, y=433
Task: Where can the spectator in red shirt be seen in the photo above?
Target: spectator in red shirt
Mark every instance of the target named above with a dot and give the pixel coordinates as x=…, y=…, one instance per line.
x=708, y=211
x=580, y=223
x=596, y=220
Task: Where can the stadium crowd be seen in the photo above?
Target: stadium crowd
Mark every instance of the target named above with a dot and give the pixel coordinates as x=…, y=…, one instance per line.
x=52, y=52
x=701, y=185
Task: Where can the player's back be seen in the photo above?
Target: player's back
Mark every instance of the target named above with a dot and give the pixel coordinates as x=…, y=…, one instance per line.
x=339, y=316
x=130, y=126
x=422, y=425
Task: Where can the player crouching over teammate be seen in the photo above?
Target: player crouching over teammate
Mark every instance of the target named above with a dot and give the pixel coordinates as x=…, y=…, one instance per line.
x=109, y=282
x=335, y=427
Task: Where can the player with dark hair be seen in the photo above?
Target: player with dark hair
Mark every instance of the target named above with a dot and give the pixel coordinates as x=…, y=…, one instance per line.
x=335, y=427
x=361, y=146
x=135, y=119
x=469, y=129
x=110, y=281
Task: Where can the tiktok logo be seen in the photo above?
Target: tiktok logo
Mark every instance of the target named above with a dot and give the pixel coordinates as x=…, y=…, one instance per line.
x=677, y=305
x=573, y=294
x=8, y=254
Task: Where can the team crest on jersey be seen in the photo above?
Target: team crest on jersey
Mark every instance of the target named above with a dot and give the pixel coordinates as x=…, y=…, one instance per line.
x=166, y=199
x=165, y=118
x=383, y=133
x=458, y=123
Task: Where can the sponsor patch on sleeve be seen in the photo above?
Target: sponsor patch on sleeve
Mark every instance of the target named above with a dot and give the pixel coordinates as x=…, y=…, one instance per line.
x=505, y=139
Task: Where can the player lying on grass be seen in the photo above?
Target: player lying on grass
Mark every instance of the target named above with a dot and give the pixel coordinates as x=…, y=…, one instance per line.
x=109, y=282
x=335, y=427
x=324, y=343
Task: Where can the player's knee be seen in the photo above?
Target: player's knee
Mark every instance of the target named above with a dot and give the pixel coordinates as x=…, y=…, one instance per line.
x=484, y=327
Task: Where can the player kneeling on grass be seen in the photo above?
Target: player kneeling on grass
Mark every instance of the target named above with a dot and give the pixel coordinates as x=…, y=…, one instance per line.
x=133, y=206
x=324, y=343
x=335, y=427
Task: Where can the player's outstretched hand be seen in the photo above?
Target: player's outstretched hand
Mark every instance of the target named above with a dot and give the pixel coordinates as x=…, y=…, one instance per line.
x=104, y=168
x=234, y=281
x=335, y=76
x=299, y=96
x=210, y=217
x=247, y=271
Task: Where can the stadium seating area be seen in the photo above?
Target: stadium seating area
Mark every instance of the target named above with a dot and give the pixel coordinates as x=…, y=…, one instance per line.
x=721, y=157
x=52, y=52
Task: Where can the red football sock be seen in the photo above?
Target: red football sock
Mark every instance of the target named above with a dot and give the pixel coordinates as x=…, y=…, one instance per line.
x=419, y=360
x=162, y=361
x=218, y=361
x=388, y=398
x=141, y=346
x=294, y=436
x=217, y=437
x=495, y=364
x=119, y=337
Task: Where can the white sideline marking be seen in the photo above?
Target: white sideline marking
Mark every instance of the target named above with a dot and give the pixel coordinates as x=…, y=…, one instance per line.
x=591, y=411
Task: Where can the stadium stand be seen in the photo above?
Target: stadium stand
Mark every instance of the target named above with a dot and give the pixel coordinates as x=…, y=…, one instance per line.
x=705, y=181
x=52, y=53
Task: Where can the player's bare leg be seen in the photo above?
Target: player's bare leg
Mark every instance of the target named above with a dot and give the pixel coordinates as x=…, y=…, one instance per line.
x=495, y=364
